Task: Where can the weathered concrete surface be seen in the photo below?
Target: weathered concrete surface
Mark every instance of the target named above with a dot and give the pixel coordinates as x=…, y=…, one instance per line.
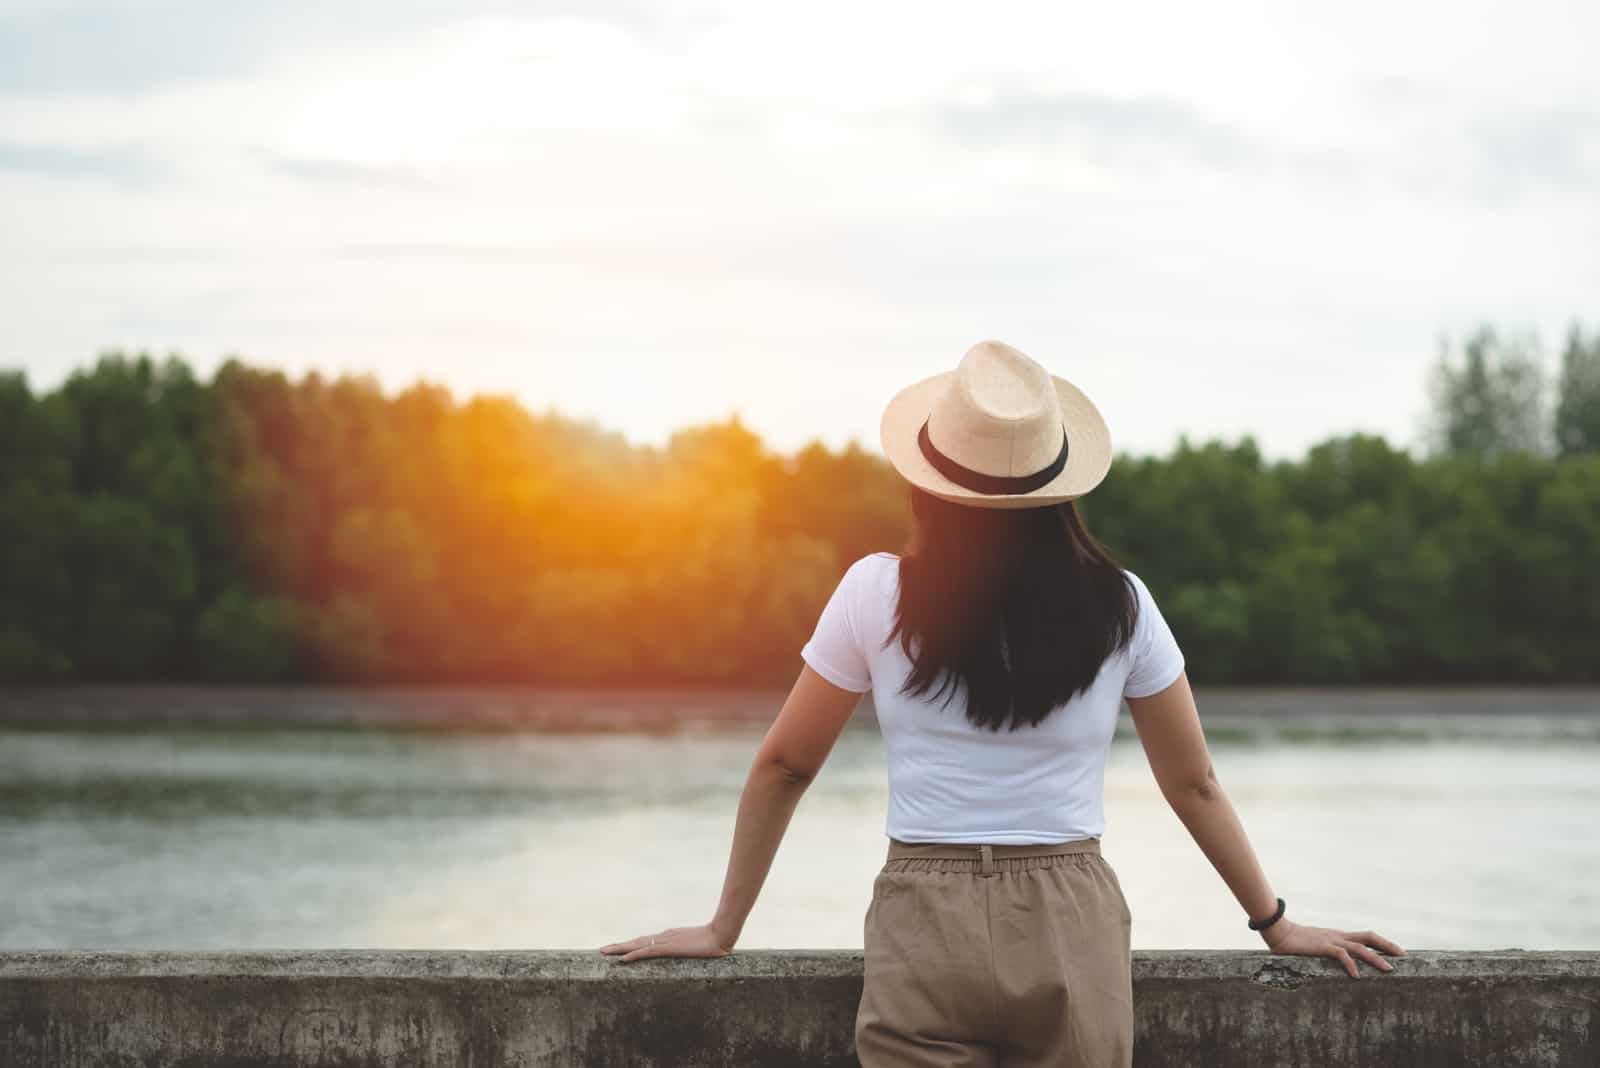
x=757, y=1008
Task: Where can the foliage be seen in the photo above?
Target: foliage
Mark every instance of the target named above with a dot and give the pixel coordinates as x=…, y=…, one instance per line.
x=1577, y=423
x=256, y=528
x=1493, y=402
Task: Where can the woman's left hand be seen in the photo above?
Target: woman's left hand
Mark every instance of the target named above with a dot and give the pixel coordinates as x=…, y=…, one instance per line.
x=699, y=941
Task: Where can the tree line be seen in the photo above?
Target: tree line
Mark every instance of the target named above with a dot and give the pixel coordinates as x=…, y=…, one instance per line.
x=256, y=528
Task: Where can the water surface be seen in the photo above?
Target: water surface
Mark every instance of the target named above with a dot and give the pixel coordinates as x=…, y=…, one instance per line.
x=1443, y=822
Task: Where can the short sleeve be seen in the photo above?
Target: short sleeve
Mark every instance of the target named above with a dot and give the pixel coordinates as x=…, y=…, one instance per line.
x=1156, y=660
x=835, y=650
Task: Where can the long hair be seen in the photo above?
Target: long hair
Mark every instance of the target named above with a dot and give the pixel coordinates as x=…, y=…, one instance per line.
x=1022, y=605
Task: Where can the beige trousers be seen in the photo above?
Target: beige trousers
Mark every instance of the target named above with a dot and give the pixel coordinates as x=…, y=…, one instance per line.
x=997, y=955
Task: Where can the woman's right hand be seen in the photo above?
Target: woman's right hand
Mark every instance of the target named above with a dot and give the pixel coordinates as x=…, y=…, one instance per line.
x=1302, y=940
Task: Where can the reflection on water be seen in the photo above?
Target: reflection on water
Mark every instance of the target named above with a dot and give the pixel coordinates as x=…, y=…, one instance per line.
x=1440, y=830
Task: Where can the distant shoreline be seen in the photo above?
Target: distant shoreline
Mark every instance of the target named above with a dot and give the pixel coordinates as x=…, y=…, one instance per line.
x=667, y=708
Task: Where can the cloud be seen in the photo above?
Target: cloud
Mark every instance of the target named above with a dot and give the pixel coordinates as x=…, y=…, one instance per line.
x=120, y=48
x=349, y=173
x=117, y=47
x=1427, y=138
x=121, y=164
x=1100, y=123
x=1489, y=148
x=1553, y=148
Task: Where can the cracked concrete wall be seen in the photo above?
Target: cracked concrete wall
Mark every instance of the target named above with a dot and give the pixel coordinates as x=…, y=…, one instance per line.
x=764, y=1008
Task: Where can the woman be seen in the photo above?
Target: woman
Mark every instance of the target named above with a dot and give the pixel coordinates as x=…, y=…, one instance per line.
x=998, y=651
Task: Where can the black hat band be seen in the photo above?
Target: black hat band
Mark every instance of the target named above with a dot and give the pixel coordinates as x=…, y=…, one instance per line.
x=979, y=482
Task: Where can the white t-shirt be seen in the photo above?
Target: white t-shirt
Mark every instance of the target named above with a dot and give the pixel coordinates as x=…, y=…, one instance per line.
x=953, y=781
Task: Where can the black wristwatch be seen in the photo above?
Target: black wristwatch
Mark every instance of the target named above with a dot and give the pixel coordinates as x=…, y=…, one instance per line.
x=1262, y=925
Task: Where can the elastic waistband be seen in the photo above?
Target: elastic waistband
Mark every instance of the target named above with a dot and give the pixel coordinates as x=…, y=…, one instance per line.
x=986, y=851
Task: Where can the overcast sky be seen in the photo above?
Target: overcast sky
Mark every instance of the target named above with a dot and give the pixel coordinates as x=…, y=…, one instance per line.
x=1217, y=219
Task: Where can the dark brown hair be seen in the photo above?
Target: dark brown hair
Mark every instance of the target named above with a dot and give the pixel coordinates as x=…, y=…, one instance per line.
x=1021, y=606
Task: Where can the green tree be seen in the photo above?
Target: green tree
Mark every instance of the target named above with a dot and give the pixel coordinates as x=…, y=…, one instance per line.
x=243, y=637
x=1493, y=401
x=258, y=528
x=38, y=438
x=1577, y=426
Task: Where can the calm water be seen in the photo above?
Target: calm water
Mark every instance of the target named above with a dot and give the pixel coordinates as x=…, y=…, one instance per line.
x=1439, y=829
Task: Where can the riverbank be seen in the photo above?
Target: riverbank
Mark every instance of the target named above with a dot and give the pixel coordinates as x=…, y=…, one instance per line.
x=654, y=709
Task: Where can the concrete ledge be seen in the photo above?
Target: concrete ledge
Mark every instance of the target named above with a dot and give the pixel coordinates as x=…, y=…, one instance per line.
x=771, y=1009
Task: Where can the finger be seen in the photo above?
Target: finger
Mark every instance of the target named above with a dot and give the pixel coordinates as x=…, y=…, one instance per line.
x=1373, y=938
x=632, y=943
x=646, y=951
x=1370, y=956
x=1339, y=952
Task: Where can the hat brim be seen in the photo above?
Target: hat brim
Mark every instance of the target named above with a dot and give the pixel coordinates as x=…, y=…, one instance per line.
x=1088, y=448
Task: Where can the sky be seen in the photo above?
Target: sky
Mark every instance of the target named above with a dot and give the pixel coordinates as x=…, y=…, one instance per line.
x=1216, y=219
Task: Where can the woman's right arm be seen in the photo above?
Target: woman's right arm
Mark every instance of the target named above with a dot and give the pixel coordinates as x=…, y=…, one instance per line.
x=1168, y=725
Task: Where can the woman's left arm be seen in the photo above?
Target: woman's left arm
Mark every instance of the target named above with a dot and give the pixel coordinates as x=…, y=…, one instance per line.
x=790, y=756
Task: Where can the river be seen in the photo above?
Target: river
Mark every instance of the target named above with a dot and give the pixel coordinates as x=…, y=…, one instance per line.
x=1444, y=821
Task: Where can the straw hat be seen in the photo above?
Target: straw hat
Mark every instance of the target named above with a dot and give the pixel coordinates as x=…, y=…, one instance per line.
x=997, y=432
